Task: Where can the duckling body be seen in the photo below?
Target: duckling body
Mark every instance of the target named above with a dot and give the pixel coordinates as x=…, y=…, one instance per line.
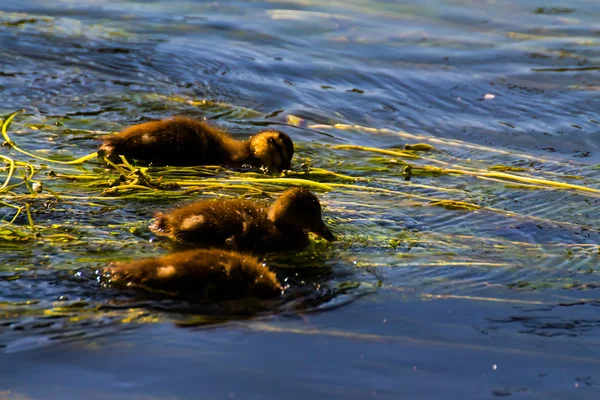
x=183, y=141
x=204, y=274
x=246, y=226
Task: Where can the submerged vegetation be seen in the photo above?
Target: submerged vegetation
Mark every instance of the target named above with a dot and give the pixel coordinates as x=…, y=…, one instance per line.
x=34, y=183
x=28, y=182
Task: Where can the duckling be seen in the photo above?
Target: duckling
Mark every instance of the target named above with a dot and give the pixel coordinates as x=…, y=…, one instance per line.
x=200, y=274
x=183, y=141
x=246, y=226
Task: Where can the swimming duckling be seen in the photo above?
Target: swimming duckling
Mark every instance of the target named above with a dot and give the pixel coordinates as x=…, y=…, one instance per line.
x=246, y=226
x=200, y=274
x=183, y=141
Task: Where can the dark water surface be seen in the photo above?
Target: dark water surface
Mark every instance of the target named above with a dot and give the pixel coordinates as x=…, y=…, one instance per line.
x=476, y=281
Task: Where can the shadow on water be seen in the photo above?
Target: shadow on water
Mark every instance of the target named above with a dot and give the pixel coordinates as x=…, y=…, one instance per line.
x=89, y=305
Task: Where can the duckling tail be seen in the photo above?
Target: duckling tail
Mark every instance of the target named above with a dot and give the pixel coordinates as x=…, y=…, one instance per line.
x=160, y=225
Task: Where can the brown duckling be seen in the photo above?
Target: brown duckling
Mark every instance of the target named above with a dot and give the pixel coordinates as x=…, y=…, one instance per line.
x=183, y=141
x=201, y=274
x=246, y=226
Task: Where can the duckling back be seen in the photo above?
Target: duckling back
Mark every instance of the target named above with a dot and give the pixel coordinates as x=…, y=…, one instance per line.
x=182, y=141
x=177, y=141
x=244, y=225
x=201, y=274
x=235, y=224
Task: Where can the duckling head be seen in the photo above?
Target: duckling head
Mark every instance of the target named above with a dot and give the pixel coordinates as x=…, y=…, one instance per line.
x=301, y=209
x=272, y=149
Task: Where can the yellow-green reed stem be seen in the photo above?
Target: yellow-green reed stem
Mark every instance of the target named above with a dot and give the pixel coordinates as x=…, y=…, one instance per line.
x=78, y=177
x=518, y=185
x=14, y=218
x=394, y=153
x=287, y=182
x=9, y=189
x=419, y=185
x=524, y=171
x=280, y=181
x=17, y=233
x=131, y=167
x=32, y=172
x=60, y=236
x=367, y=189
x=15, y=147
x=321, y=172
x=32, y=169
x=11, y=170
x=455, y=205
x=30, y=217
x=499, y=175
x=115, y=166
x=442, y=142
x=127, y=187
x=469, y=206
x=368, y=208
x=29, y=188
x=431, y=200
x=545, y=182
x=211, y=185
x=56, y=195
x=9, y=205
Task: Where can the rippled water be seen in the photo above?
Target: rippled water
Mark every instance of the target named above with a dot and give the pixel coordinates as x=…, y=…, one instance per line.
x=475, y=277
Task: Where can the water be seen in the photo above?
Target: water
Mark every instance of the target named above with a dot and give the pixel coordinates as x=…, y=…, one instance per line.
x=416, y=300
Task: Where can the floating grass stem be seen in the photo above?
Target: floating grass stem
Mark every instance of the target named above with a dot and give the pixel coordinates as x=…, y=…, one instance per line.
x=56, y=195
x=289, y=182
x=395, y=153
x=455, y=205
x=440, y=141
x=15, y=147
x=505, y=176
x=120, y=188
x=321, y=172
x=127, y=164
x=5, y=188
x=30, y=218
x=244, y=180
x=200, y=185
x=11, y=170
x=31, y=168
x=115, y=166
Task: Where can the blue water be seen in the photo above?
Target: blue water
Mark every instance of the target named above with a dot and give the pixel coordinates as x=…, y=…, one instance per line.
x=416, y=300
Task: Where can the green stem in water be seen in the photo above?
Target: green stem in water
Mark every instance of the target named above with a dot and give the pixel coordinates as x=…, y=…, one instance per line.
x=11, y=170
x=30, y=217
x=14, y=146
x=394, y=153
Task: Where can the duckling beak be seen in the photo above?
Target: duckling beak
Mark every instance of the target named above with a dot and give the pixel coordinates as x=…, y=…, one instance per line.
x=324, y=232
x=285, y=165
